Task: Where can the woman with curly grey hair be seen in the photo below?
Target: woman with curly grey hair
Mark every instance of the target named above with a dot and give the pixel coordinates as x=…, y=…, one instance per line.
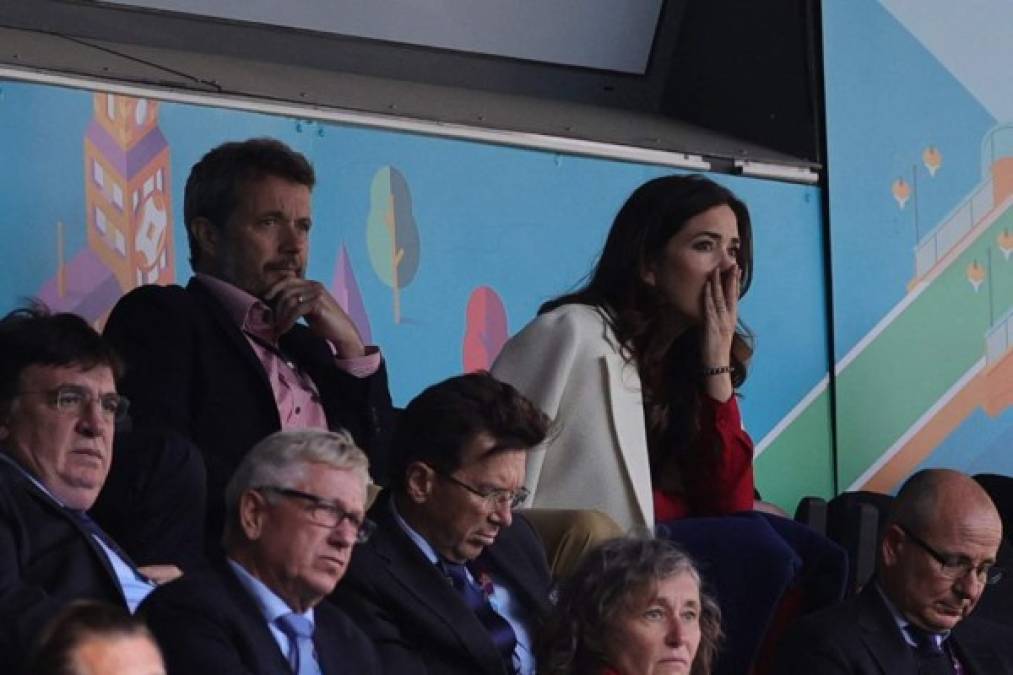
x=633, y=606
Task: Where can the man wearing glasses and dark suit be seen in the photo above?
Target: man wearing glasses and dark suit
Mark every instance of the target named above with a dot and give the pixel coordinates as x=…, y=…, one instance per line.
x=294, y=511
x=453, y=582
x=58, y=410
x=936, y=558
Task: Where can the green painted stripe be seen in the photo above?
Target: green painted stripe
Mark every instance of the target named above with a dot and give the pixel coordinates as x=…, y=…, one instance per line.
x=903, y=372
x=908, y=367
x=799, y=463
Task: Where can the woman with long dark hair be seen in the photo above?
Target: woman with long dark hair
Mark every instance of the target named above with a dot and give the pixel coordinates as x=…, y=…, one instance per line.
x=639, y=367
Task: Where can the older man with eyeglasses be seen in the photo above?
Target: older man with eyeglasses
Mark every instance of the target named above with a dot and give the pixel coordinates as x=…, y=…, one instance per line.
x=295, y=508
x=58, y=410
x=936, y=558
x=453, y=582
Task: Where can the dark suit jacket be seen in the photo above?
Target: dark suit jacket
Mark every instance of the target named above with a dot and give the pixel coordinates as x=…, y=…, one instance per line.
x=860, y=637
x=416, y=619
x=46, y=560
x=208, y=623
x=191, y=370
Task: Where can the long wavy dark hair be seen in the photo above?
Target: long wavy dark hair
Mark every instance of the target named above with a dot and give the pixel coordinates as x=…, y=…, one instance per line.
x=607, y=582
x=666, y=356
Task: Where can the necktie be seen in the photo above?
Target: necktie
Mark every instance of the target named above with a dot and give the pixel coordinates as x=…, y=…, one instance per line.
x=499, y=629
x=92, y=528
x=932, y=657
x=300, y=632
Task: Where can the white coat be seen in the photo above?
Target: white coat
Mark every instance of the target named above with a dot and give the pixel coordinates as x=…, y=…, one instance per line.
x=567, y=362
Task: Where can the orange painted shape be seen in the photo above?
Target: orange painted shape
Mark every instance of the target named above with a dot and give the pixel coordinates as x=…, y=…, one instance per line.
x=901, y=191
x=998, y=389
x=1002, y=179
x=991, y=390
x=921, y=445
x=131, y=119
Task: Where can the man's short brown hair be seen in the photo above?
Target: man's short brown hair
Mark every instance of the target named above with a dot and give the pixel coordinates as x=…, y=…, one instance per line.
x=440, y=422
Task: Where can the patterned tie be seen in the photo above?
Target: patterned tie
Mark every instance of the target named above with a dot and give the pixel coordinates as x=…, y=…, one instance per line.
x=500, y=630
x=932, y=657
x=299, y=630
x=92, y=528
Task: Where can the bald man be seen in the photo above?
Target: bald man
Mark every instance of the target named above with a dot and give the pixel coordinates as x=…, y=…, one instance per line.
x=935, y=559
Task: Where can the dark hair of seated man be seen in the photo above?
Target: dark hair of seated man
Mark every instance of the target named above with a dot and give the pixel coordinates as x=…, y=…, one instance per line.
x=95, y=638
x=33, y=335
x=440, y=423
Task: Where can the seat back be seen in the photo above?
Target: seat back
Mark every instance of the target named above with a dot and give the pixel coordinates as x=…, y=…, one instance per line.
x=855, y=520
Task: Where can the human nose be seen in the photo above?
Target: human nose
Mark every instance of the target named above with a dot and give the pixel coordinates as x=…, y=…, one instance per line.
x=293, y=236
x=970, y=584
x=344, y=533
x=92, y=419
x=728, y=260
x=502, y=512
x=674, y=635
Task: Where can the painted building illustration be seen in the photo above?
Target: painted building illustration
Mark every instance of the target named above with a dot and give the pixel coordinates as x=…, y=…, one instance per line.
x=127, y=191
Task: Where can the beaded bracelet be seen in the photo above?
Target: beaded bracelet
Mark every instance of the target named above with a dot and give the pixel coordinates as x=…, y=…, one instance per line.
x=717, y=370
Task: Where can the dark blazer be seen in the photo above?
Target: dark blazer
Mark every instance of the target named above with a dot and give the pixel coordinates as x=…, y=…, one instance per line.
x=416, y=619
x=208, y=623
x=46, y=560
x=860, y=637
x=191, y=370
x=153, y=501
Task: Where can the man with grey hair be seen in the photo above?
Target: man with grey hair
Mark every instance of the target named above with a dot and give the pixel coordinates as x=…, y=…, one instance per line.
x=936, y=556
x=294, y=507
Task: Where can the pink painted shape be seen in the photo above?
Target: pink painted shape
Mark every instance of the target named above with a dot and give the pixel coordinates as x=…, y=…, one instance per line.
x=485, y=331
x=90, y=288
x=346, y=292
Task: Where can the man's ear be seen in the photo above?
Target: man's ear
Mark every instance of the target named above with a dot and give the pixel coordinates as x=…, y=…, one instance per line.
x=647, y=274
x=5, y=418
x=206, y=235
x=892, y=545
x=419, y=479
x=252, y=511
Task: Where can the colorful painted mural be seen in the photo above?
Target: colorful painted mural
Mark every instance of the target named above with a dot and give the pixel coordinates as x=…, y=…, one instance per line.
x=920, y=136
x=921, y=166
x=485, y=329
x=92, y=183
x=391, y=233
x=128, y=215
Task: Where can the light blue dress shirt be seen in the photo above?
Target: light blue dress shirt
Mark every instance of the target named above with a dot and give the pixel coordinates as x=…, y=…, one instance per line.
x=271, y=606
x=502, y=600
x=133, y=587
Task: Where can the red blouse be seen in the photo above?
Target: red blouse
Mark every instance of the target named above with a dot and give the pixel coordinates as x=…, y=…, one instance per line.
x=733, y=488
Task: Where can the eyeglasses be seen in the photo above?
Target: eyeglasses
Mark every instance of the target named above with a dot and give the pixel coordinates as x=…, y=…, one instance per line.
x=326, y=513
x=494, y=498
x=74, y=400
x=957, y=567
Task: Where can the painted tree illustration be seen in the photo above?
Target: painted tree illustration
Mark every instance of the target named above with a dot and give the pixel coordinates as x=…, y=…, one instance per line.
x=485, y=330
x=392, y=235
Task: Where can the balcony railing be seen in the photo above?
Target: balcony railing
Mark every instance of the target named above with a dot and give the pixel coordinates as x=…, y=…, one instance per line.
x=998, y=339
x=941, y=239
